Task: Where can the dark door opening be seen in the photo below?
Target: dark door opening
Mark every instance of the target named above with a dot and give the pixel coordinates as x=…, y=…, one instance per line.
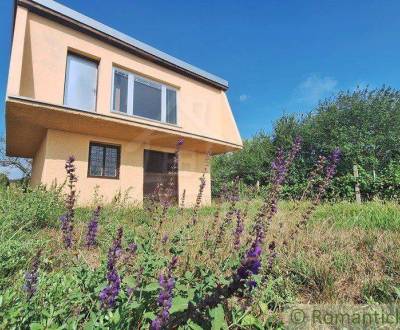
x=159, y=172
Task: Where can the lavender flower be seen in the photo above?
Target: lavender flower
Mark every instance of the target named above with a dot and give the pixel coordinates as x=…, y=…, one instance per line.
x=296, y=147
x=167, y=283
x=92, y=228
x=315, y=173
x=164, y=239
x=330, y=171
x=239, y=230
x=272, y=255
x=129, y=291
x=132, y=248
x=183, y=199
x=251, y=263
x=32, y=276
x=110, y=293
x=213, y=225
x=233, y=198
x=67, y=218
x=70, y=169
x=333, y=162
x=169, y=192
x=199, y=197
x=280, y=167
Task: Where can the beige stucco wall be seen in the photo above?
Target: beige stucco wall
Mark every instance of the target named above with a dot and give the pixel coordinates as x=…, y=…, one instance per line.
x=38, y=168
x=202, y=109
x=59, y=145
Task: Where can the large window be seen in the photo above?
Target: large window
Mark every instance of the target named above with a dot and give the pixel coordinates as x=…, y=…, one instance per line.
x=142, y=97
x=80, y=83
x=104, y=160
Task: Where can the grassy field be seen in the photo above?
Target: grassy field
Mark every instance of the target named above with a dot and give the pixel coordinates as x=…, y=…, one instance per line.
x=346, y=253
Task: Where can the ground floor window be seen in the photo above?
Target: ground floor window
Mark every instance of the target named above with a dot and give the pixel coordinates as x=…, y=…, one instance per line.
x=104, y=160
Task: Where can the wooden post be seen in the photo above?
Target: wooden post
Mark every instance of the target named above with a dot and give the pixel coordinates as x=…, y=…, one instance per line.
x=258, y=186
x=357, y=185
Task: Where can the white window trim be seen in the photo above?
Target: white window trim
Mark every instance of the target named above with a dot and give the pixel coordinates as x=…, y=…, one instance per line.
x=131, y=93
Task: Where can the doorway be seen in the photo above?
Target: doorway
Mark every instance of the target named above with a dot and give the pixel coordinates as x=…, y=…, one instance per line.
x=160, y=178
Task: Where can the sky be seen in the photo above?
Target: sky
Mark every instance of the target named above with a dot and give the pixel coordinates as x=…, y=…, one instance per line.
x=278, y=56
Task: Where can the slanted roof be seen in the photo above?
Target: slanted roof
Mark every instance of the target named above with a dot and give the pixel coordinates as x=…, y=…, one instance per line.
x=55, y=11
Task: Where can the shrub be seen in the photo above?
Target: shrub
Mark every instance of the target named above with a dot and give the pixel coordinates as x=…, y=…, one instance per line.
x=4, y=182
x=29, y=209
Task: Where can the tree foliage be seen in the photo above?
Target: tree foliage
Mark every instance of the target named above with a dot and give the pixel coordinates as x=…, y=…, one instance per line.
x=24, y=165
x=364, y=124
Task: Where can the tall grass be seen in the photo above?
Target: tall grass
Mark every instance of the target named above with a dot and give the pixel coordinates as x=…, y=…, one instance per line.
x=371, y=215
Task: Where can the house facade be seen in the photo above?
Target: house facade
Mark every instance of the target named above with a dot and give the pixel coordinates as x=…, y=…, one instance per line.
x=119, y=106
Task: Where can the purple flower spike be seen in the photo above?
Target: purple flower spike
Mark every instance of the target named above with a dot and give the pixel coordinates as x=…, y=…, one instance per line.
x=132, y=248
x=239, y=230
x=32, y=276
x=251, y=263
x=333, y=162
x=279, y=167
x=67, y=218
x=167, y=283
x=93, y=228
x=109, y=294
x=164, y=240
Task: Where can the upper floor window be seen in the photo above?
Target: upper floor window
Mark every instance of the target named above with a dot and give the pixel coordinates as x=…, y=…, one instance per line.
x=142, y=97
x=80, y=83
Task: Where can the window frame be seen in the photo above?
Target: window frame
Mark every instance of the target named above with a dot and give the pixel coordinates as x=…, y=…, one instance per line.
x=66, y=76
x=131, y=94
x=104, y=146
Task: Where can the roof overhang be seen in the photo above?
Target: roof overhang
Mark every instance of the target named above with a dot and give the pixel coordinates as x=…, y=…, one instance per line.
x=77, y=21
x=27, y=121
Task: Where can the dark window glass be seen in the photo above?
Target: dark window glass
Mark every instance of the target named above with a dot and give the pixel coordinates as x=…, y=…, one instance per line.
x=111, y=162
x=159, y=171
x=171, y=106
x=96, y=160
x=120, y=92
x=104, y=160
x=147, y=99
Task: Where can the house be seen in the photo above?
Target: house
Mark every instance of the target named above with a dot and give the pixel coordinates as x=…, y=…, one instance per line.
x=78, y=87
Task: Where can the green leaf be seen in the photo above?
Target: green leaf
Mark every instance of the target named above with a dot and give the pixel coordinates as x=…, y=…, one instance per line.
x=218, y=318
x=115, y=317
x=149, y=316
x=179, y=304
x=250, y=320
x=130, y=280
x=151, y=287
x=264, y=307
x=194, y=326
x=36, y=326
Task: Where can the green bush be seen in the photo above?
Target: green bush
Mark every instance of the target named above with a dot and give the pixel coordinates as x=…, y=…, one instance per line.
x=4, y=182
x=30, y=208
x=364, y=124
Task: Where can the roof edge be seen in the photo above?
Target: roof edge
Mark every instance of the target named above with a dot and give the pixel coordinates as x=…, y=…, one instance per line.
x=62, y=14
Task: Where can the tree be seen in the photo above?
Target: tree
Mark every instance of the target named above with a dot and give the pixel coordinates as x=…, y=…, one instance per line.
x=24, y=165
x=364, y=124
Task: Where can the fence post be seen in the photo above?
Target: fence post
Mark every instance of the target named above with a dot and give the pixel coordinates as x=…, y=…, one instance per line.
x=357, y=185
